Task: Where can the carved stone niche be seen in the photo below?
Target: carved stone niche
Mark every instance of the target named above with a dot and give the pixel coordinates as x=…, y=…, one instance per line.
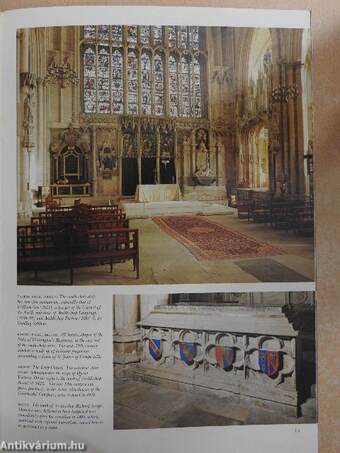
x=204, y=174
x=28, y=84
x=253, y=352
x=107, y=157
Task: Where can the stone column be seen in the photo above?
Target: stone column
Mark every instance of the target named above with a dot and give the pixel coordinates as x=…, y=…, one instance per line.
x=158, y=154
x=126, y=336
x=176, y=157
x=139, y=153
x=94, y=161
x=25, y=125
x=299, y=143
x=193, y=154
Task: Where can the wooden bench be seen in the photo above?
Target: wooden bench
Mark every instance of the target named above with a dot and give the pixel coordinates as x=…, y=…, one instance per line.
x=116, y=219
x=303, y=219
x=69, y=248
x=260, y=206
x=61, y=216
x=282, y=213
x=242, y=203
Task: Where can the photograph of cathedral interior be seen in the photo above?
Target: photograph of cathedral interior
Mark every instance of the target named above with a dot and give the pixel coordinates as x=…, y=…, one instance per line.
x=164, y=154
x=214, y=359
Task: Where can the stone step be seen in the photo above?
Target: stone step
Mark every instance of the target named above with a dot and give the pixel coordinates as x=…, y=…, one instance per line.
x=144, y=210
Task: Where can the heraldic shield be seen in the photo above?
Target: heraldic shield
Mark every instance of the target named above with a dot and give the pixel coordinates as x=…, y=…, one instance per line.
x=225, y=356
x=188, y=352
x=269, y=362
x=155, y=348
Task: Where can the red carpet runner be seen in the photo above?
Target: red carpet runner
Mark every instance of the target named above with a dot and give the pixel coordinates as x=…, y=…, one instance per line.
x=207, y=240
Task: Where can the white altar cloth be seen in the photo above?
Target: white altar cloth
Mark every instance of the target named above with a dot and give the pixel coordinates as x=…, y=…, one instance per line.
x=158, y=192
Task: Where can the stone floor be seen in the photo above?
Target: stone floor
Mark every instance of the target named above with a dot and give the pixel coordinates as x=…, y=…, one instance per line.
x=163, y=260
x=140, y=405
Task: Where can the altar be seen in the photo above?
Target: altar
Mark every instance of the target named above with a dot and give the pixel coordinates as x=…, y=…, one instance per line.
x=158, y=192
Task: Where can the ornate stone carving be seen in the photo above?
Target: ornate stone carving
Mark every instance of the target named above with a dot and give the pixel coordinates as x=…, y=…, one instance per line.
x=28, y=84
x=222, y=74
x=107, y=155
x=283, y=93
x=260, y=362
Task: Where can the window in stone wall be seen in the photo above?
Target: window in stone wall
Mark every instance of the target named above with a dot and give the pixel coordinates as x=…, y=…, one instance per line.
x=123, y=69
x=132, y=82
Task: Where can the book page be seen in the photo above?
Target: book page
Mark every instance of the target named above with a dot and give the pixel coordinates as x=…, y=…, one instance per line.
x=162, y=290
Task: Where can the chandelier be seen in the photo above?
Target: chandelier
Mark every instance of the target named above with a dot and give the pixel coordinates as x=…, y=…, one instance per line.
x=61, y=74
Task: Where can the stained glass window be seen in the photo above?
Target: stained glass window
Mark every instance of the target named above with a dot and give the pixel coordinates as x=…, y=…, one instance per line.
x=146, y=83
x=173, y=85
x=117, y=82
x=117, y=34
x=103, y=32
x=115, y=70
x=172, y=36
x=90, y=32
x=196, y=88
x=157, y=35
x=159, y=84
x=90, y=88
x=132, y=34
x=145, y=34
x=183, y=37
x=132, y=82
x=194, y=37
x=185, y=87
x=103, y=80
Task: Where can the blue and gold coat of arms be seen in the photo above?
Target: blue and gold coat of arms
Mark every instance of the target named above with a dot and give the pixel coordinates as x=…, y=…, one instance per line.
x=155, y=348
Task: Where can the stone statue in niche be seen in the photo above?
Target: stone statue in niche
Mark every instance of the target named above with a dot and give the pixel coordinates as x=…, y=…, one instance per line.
x=203, y=174
x=202, y=161
x=107, y=160
x=129, y=145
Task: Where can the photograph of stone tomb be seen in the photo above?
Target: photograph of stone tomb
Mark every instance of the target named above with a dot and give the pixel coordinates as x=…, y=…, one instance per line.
x=214, y=359
x=164, y=154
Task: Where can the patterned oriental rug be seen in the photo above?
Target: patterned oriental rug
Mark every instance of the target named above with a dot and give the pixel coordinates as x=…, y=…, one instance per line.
x=207, y=240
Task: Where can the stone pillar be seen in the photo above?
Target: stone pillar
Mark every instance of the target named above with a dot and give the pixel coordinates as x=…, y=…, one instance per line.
x=26, y=126
x=299, y=143
x=176, y=157
x=291, y=121
x=94, y=161
x=158, y=154
x=139, y=153
x=193, y=154
x=126, y=335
